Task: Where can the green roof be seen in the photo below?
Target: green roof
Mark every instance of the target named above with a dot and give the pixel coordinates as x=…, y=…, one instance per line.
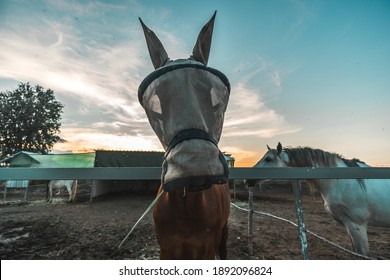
x=66, y=160
x=26, y=159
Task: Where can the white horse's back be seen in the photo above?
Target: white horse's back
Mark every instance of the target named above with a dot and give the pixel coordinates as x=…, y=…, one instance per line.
x=378, y=196
x=377, y=192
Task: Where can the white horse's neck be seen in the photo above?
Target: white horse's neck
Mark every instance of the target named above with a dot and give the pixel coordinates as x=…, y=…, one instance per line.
x=326, y=186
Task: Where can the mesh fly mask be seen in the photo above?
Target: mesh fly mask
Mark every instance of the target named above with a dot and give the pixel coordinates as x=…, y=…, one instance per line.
x=185, y=102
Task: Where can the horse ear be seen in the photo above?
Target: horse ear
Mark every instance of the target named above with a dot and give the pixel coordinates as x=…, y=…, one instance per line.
x=202, y=46
x=268, y=148
x=156, y=49
x=279, y=148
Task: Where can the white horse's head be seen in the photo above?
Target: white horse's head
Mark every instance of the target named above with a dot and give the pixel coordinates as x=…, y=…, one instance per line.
x=185, y=102
x=273, y=158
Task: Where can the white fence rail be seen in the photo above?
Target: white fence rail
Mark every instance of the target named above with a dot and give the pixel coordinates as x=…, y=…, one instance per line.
x=154, y=173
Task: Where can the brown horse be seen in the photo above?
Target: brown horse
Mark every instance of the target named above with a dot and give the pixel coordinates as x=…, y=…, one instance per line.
x=185, y=102
x=193, y=225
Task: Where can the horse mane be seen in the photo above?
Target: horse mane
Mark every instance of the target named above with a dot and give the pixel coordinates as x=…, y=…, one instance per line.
x=309, y=157
x=353, y=162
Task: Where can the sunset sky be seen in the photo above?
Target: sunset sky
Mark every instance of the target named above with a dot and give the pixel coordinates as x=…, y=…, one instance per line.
x=306, y=73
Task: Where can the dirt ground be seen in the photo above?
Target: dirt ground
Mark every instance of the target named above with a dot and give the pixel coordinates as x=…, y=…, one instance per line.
x=88, y=230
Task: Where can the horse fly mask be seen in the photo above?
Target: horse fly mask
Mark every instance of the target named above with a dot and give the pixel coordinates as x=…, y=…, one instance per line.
x=185, y=102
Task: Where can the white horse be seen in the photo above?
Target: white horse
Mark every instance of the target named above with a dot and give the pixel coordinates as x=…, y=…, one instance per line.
x=71, y=186
x=351, y=202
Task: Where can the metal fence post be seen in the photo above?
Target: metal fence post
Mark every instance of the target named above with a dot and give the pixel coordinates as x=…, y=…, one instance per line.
x=250, y=220
x=301, y=224
x=234, y=190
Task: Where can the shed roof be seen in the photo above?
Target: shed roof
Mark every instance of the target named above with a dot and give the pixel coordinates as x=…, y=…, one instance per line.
x=128, y=159
x=26, y=159
x=98, y=159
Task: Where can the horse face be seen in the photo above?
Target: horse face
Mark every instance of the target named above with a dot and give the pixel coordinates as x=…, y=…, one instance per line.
x=273, y=158
x=185, y=102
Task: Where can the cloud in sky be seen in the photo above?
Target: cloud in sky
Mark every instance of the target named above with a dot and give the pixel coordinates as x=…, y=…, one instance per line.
x=96, y=69
x=255, y=119
x=255, y=80
x=94, y=76
x=83, y=139
x=248, y=118
x=289, y=66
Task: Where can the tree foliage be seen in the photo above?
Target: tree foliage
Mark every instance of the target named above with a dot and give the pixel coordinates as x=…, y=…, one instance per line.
x=29, y=120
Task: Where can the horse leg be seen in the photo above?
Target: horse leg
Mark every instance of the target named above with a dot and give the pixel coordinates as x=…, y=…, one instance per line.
x=359, y=239
x=47, y=192
x=50, y=198
x=222, y=249
x=74, y=190
x=69, y=189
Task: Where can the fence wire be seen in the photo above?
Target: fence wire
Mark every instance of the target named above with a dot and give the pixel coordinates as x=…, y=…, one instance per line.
x=308, y=231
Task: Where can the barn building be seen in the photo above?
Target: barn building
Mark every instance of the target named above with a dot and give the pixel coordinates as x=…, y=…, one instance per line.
x=130, y=159
x=125, y=159
x=27, y=159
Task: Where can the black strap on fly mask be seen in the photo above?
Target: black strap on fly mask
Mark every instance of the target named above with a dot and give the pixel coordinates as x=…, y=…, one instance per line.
x=189, y=134
x=198, y=183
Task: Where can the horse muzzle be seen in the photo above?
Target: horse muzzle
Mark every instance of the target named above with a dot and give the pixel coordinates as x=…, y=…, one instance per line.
x=193, y=160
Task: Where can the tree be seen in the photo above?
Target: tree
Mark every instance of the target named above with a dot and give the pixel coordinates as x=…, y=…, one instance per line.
x=29, y=120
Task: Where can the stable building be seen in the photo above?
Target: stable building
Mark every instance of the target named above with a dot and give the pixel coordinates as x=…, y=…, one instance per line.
x=33, y=160
x=126, y=159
